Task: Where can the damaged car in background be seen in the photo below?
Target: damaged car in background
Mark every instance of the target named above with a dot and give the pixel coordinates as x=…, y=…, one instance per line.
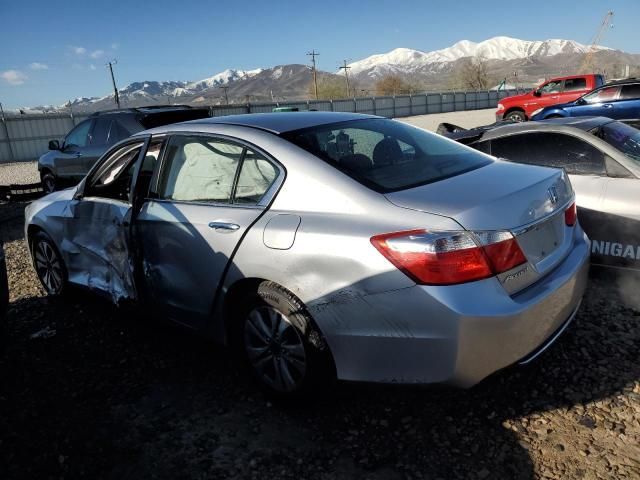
x=602, y=158
x=325, y=245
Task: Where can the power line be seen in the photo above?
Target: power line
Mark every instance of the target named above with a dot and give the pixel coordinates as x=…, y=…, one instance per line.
x=113, y=80
x=346, y=75
x=313, y=55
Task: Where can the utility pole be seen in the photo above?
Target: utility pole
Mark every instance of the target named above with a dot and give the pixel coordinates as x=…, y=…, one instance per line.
x=313, y=55
x=346, y=75
x=113, y=80
x=226, y=97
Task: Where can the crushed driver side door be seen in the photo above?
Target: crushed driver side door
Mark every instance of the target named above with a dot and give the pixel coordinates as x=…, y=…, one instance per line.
x=98, y=227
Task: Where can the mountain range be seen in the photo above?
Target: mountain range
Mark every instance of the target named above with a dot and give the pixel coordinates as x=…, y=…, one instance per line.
x=533, y=60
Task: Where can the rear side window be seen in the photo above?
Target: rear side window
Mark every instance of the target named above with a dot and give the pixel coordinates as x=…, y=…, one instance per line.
x=100, y=133
x=200, y=169
x=575, y=84
x=386, y=155
x=117, y=132
x=630, y=92
x=210, y=170
x=257, y=174
x=551, y=150
x=606, y=94
x=482, y=146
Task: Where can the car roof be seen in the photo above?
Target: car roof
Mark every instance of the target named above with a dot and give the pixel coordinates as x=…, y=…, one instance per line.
x=279, y=122
x=150, y=110
x=584, y=124
x=624, y=81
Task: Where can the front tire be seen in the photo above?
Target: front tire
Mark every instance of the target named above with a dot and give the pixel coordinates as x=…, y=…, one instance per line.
x=281, y=345
x=49, y=265
x=516, y=116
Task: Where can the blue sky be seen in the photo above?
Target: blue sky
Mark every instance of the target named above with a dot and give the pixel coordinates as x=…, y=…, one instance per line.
x=51, y=50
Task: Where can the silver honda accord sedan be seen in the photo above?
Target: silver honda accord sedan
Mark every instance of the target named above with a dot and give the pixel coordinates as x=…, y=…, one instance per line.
x=325, y=245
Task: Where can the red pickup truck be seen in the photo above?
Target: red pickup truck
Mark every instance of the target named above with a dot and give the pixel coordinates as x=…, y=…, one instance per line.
x=519, y=108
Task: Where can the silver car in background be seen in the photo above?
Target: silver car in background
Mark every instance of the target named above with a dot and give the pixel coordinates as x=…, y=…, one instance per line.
x=325, y=245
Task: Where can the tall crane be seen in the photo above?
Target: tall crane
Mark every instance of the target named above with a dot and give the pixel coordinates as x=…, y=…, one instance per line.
x=587, y=64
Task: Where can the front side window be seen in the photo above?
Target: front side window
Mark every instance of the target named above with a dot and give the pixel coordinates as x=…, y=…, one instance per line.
x=78, y=137
x=551, y=150
x=200, y=169
x=606, y=94
x=575, y=84
x=114, y=177
x=386, y=155
x=553, y=86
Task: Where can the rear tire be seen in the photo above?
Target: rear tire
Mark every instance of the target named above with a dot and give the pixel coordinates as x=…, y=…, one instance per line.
x=516, y=116
x=280, y=344
x=49, y=182
x=49, y=264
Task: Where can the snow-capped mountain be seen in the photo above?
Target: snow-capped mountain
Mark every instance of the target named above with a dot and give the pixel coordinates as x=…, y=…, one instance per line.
x=532, y=60
x=222, y=78
x=406, y=60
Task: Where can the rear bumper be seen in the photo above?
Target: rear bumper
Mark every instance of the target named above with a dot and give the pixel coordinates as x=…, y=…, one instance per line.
x=499, y=117
x=456, y=334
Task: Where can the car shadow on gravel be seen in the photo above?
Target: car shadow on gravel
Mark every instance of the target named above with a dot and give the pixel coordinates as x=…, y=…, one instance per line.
x=88, y=389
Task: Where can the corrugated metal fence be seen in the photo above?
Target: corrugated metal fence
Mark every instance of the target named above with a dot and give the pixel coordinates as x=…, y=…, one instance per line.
x=25, y=137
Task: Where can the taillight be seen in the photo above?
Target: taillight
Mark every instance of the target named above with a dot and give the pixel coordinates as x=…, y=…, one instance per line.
x=447, y=258
x=571, y=215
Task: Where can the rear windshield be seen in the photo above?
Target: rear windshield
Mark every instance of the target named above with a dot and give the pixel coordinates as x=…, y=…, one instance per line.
x=386, y=155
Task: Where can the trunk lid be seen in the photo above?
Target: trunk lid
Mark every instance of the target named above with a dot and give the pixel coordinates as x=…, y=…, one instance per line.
x=527, y=200
x=499, y=196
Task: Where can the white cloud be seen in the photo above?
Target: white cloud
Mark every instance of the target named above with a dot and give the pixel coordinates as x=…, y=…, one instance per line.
x=38, y=66
x=114, y=46
x=79, y=50
x=92, y=66
x=97, y=53
x=14, y=77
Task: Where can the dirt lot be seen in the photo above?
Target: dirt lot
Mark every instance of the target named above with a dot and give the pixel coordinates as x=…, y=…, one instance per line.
x=90, y=391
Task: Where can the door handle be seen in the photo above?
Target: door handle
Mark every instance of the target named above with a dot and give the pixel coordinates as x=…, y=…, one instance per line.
x=78, y=154
x=555, y=97
x=607, y=105
x=232, y=227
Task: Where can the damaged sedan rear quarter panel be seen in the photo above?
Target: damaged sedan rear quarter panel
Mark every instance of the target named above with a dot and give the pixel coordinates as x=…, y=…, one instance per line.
x=311, y=233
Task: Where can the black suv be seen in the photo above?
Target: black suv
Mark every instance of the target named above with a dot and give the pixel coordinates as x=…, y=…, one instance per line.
x=67, y=163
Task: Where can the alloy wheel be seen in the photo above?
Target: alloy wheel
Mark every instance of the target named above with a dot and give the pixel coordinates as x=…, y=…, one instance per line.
x=48, y=267
x=274, y=349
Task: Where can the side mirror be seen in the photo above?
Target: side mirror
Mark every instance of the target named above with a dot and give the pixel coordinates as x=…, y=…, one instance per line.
x=54, y=145
x=581, y=101
x=537, y=93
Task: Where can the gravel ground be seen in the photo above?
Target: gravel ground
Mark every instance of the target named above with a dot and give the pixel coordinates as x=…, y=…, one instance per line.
x=466, y=119
x=87, y=390
x=19, y=173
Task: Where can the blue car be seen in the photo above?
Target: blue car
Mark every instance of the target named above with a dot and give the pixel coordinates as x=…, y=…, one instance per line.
x=617, y=100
